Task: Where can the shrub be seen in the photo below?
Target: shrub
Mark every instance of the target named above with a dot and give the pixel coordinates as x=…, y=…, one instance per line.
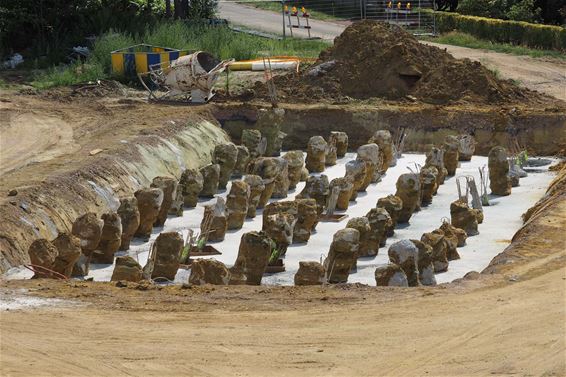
x=495, y=30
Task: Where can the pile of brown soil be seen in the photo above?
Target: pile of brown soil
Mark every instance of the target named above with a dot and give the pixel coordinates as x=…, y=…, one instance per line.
x=375, y=59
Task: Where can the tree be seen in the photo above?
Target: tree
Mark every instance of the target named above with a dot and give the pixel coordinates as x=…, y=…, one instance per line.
x=524, y=10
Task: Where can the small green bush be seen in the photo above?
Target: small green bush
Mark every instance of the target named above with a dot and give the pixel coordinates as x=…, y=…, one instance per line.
x=515, y=32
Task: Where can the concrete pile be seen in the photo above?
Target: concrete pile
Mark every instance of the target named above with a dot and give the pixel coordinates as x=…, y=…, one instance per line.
x=163, y=262
x=370, y=154
x=409, y=190
x=242, y=159
x=316, y=154
x=307, y=219
x=344, y=187
x=460, y=234
x=380, y=223
x=214, y=222
x=130, y=219
x=256, y=186
x=69, y=252
x=464, y=217
x=342, y=255
x=425, y=264
x=169, y=187
x=429, y=183
x=405, y=254
x=237, y=204
x=191, y=185
x=149, y=203
x=384, y=141
x=357, y=170
x=451, y=155
x=88, y=229
x=310, y=273
x=499, y=180
x=269, y=123
x=127, y=269
x=253, y=256
x=393, y=205
x=268, y=168
x=225, y=156
x=42, y=254
x=251, y=139
x=367, y=245
x=110, y=239
x=210, y=176
x=466, y=147
x=279, y=227
x=438, y=253
x=281, y=187
x=331, y=154
x=209, y=271
x=390, y=275
x=316, y=188
x=435, y=157
x=295, y=163
x=340, y=140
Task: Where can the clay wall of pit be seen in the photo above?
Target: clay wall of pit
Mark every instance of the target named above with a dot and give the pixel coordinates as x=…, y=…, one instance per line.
x=43, y=210
x=542, y=132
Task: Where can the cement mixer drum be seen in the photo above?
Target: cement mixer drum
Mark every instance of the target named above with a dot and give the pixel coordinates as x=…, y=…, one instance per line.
x=192, y=77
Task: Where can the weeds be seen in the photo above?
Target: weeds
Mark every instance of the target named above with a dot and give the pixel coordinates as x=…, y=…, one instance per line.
x=220, y=41
x=466, y=40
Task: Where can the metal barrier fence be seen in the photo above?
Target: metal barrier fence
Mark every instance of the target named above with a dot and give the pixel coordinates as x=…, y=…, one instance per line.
x=415, y=16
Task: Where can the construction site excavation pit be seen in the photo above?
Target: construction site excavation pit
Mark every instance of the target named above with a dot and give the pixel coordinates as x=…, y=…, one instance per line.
x=374, y=80
x=501, y=220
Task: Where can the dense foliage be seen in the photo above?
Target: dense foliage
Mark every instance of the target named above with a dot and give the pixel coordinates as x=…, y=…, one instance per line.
x=539, y=11
x=496, y=30
x=49, y=27
x=185, y=35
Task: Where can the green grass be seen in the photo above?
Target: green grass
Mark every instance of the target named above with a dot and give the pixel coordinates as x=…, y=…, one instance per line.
x=276, y=7
x=220, y=41
x=466, y=40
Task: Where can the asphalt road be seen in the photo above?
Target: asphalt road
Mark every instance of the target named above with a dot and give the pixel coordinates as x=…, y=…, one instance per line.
x=272, y=22
x=545, y=75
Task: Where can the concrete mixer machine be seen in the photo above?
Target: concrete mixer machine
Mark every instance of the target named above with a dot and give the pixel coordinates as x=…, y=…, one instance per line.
x=189, y=79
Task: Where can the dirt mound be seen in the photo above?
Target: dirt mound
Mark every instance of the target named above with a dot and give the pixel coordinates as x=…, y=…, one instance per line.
x=375, y=59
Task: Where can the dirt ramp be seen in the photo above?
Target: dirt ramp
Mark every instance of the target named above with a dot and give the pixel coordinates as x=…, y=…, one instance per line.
x=30, y=138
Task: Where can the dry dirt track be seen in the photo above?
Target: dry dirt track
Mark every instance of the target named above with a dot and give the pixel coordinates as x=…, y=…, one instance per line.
x=547, y=76
x=482, y=332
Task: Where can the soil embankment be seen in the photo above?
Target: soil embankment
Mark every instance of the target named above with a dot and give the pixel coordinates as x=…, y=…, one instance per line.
x=112, y=151
x=541, y=130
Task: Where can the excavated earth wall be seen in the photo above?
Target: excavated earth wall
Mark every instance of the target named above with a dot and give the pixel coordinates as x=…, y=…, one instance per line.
x=542, y=131
x=43, y=210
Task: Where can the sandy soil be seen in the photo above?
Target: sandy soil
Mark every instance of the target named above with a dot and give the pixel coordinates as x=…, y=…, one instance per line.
x=19, y=148
x=46, y=134
x=509, y=321
x=506, y=328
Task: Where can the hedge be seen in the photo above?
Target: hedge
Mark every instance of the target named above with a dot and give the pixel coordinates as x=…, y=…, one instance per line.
x=546, y=37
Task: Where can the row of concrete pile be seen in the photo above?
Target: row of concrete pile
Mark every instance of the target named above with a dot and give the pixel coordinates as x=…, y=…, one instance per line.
x=289, y=222
x=364, y=235
x=412, y=262
x=94, y=239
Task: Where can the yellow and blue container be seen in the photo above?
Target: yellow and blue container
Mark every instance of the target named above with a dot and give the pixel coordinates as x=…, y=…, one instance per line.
x=131, y=60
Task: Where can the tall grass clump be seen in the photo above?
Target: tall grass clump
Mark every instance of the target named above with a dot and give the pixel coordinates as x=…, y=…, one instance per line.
x=456, y=38
x=69, y=75
x=220, y=41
